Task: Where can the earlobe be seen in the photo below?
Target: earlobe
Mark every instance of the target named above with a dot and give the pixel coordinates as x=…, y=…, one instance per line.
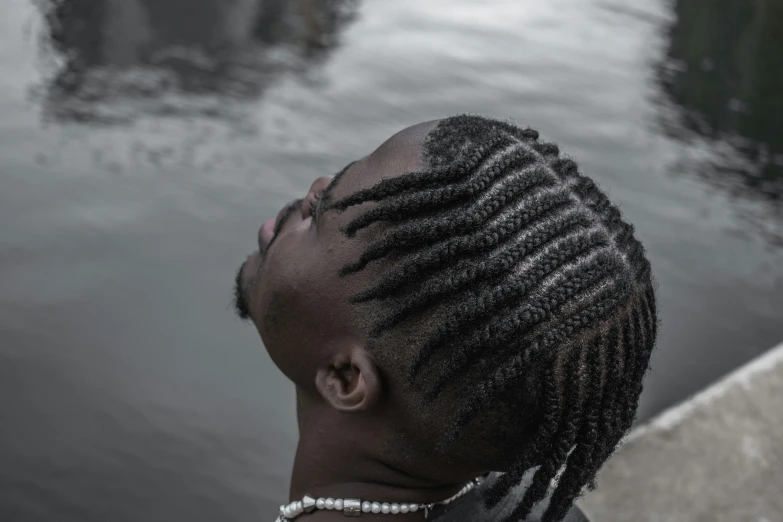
x=350, y=384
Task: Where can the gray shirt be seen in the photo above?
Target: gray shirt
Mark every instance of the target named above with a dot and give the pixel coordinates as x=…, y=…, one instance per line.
x=471, y=508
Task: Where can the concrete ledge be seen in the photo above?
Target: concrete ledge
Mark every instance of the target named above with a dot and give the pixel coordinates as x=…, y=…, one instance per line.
x=716, y=457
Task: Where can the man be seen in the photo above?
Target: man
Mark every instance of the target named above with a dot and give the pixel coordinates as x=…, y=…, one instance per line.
x=458, y=303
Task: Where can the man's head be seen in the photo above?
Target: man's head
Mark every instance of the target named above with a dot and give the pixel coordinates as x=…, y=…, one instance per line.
x=462, y=300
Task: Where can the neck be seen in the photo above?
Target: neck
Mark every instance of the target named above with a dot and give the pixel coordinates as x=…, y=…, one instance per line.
x=334, y=459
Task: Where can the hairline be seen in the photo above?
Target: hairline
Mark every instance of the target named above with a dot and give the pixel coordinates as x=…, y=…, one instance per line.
x=332, y=184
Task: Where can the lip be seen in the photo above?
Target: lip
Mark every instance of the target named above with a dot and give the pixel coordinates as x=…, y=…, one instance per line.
x=265, y=234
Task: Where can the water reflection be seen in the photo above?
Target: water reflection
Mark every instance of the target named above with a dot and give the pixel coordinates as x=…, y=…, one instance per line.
x=131, y=391
x=724, y=71
x=121, y=58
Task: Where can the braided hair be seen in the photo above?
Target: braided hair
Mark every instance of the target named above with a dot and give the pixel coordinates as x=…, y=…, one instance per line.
x=537, y=281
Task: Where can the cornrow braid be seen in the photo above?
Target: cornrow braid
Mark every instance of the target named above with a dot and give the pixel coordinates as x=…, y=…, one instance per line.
x=414, y=233
x=411, y=204
x=449, y=252
x=533, y=280
x=418, y=180
x=513, y=288
x=468, y=272
x=501, y=328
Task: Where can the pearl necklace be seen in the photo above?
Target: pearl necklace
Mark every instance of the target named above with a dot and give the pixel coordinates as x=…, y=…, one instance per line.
x=354, y=507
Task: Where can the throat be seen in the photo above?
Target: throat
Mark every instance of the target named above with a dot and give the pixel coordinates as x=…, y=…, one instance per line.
x=333, y=462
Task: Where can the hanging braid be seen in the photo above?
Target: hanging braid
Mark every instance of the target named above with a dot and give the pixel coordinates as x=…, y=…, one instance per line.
x=534, y=278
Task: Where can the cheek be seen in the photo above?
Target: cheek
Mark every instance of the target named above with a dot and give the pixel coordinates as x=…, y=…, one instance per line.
x=291, y=312
x=281, y=321
x=277, y=297
x=303, y=272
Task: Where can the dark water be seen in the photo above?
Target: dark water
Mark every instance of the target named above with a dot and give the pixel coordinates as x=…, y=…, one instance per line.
x=142, y=143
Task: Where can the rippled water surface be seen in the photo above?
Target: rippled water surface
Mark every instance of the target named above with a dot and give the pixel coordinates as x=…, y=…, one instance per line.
x=142, y=143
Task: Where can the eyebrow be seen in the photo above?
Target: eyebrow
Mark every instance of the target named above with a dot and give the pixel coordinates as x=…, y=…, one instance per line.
x=327, y=193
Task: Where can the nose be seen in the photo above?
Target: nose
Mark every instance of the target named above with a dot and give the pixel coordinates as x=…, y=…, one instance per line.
x=315, y=192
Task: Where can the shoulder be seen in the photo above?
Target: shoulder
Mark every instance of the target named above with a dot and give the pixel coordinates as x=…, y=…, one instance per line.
x=576, y=515
x=473, y=509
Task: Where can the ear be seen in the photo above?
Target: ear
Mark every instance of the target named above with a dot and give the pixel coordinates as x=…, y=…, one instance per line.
x=351, y=383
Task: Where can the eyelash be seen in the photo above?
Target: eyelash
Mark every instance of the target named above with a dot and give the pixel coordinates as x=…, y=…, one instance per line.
x=314, y=205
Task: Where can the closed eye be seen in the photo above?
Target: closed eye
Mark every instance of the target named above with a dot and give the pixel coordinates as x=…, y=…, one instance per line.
x=282, y=219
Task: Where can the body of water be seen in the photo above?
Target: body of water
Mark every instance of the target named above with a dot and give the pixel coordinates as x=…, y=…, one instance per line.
x=143, y=142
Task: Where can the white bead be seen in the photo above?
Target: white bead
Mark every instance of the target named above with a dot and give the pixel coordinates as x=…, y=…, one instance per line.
x=395, y=508
x=338, y=504
x=366, y=507
x=329, y=503
x=404, y=508
x=320, y=503
x=385, y=508
x=282, y=510
x=375, y=507
x=414, y=508
x=299, y=506
x=287, y=513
